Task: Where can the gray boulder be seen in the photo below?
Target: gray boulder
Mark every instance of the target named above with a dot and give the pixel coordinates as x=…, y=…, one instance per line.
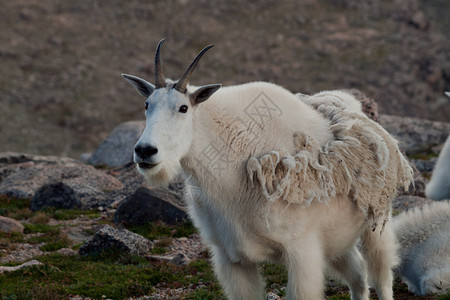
x=415, y=135
x=117, y=149
x=425, y=166
x=55, y=181
x=57, y=195
x=408, y=202
x=150, y=205
x=120, y=241
x=9, y=225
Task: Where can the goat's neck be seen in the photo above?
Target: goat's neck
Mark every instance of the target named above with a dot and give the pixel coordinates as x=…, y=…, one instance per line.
x=209, y=160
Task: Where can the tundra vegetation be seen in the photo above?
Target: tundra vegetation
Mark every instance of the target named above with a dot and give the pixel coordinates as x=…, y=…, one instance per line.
x=119, y=277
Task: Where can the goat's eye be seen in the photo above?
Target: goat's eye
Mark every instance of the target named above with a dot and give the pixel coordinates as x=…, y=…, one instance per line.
x=183, y=109
x=146, y=105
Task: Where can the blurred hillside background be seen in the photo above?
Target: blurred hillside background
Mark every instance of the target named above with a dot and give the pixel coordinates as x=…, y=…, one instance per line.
x=60, y=61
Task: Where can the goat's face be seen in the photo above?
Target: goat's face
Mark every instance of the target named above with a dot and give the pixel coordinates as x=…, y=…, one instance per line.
x=168, y=132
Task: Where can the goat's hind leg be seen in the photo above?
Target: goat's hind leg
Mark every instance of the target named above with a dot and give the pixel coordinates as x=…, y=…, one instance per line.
x=352, y=269
x=240, y=280
x=379, y=249
x=305, y=263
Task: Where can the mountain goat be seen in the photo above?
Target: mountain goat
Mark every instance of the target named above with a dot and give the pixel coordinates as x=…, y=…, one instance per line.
x=271, y=178
x=424, y=238
x=439, y=186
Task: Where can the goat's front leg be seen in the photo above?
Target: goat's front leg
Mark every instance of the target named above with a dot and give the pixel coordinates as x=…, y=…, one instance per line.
x=304, y=260
x=240, y=280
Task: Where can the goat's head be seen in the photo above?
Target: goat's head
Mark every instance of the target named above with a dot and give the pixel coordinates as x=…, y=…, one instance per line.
x=169, y=111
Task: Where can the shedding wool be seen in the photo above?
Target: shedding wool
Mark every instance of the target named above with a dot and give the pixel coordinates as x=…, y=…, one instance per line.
x=362, y=162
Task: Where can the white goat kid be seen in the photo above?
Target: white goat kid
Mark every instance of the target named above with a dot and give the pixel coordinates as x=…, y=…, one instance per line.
x=439, y=186
x=424, y=236
x=272, y=178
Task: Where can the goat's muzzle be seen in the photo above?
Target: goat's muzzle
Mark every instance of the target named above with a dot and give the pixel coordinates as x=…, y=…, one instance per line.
x=146, y=166
x=144, y=156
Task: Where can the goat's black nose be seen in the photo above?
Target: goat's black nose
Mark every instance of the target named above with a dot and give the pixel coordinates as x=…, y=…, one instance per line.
x=145, y=151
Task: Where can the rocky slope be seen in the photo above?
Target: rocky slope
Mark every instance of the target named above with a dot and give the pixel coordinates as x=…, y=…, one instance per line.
x=60, y=85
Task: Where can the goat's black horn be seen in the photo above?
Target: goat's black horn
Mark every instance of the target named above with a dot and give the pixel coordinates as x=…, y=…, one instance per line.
x=184, y=80
x=160, y=80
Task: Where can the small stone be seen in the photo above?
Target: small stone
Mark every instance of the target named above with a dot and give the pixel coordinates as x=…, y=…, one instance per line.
x=109, y=238
x=9, y=225
x=66, y=252
x=24, y=265
x=180, y=260
x=272, y=296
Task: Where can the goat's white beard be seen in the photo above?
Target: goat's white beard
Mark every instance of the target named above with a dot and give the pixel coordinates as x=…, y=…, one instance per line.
x=162, y=174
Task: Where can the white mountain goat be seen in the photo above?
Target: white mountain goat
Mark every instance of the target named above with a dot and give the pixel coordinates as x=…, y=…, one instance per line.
x=272, y=178
x=439, y=186
x=424, y=252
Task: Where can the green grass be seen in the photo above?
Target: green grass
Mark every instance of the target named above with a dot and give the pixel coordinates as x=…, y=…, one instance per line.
x=70, y=214
x=12, y=237
x=15, y=208
x=104, y=275
x=156, y=231
x=56, y=245
x=39, y=228
x=19, y=209
x=423, y=156
x=117, y=275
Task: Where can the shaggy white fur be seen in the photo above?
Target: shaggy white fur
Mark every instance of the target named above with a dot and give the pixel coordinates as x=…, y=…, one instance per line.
x=439, y=186
x=321, y=195
x=424, y=238
x=272, y=178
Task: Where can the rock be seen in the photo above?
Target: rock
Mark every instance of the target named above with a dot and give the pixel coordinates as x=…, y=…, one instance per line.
x=407, y=202
x=78, y=236
x=22, y=252
x=117, y=150
x=150, y=205
x=272, y=296
x=56, y=180
x=9, y=225
x=180, y=260
x=424, y=166
x=66, y=252
x=111, y=239
x=159, y=258
x=22, y=266
x=419, y=20
x=84, y=157
x=57, y=195
x=415, y=135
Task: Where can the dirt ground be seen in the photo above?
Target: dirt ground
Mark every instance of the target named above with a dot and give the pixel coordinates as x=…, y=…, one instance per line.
x=60, y=87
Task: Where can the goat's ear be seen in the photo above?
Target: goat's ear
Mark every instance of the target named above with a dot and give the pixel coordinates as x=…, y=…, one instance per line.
x=203, y=93
x=143, y=87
